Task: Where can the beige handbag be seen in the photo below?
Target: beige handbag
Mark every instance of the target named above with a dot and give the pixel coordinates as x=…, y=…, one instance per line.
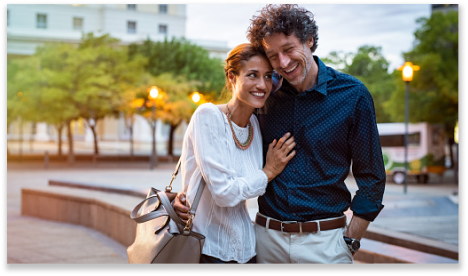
x=161, y=236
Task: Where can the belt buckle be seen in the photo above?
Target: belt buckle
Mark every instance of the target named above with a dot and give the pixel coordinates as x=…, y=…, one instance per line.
x=286, y=222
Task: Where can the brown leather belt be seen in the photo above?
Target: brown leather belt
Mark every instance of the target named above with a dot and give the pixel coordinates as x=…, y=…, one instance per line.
x=301, y=227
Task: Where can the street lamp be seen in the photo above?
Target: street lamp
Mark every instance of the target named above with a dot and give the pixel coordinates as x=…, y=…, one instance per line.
x=407, y=74
x=196, y=97
x=153, y=95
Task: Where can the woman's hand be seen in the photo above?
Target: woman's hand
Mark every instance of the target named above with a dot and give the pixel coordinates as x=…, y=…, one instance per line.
x=180, y=207
x=278, y=155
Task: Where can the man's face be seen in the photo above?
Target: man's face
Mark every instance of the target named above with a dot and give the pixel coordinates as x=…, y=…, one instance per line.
x=289, y=57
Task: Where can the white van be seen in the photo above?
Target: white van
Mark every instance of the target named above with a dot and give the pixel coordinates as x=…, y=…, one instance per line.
x=426, y=152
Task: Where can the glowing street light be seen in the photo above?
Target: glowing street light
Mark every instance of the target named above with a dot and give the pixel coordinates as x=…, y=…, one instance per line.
x=407, y=71
x=407, y=75
x=196, y=97
x=154, y=92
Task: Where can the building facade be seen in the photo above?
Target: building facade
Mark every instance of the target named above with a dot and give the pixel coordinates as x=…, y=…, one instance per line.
x=33, y=25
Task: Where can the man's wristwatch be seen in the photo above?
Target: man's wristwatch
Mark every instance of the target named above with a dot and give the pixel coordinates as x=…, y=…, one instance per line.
x=353, y=244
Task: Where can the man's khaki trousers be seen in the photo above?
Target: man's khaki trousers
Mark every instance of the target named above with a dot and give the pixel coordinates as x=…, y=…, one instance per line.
x=327, y=247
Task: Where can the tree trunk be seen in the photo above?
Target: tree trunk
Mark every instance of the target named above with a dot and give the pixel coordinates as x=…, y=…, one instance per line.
x=59, y=131
x=31, y=136
x=96, y=149
x=154, y=156
x=130, y=128
x=170, y=147
x=71, y=156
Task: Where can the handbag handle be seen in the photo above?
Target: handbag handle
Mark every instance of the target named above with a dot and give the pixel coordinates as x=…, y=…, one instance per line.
x=169, y=210
x=150, y=215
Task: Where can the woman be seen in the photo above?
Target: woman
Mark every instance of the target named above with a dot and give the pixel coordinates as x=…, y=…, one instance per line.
x=223, y=144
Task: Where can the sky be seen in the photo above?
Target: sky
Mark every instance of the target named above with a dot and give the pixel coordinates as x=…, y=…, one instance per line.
x=342, y=27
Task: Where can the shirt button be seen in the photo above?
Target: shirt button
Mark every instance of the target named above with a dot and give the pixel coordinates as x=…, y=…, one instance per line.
x=294, y=170
x=297, y=122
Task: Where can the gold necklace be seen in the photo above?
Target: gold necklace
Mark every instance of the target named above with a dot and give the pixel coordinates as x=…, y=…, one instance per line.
x=249, y=140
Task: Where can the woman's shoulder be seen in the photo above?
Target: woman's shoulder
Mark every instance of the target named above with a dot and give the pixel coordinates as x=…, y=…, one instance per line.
x=208, y=110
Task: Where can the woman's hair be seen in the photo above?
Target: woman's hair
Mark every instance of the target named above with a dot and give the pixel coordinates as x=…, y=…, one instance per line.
x=241, y=53
x=287, y=19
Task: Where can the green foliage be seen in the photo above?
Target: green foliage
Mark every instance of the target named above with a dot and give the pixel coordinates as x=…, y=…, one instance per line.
x=62, y=82
x=434, y=89
x=182, y=58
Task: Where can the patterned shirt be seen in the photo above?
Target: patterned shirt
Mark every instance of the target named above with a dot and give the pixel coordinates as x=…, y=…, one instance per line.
x=334, y=126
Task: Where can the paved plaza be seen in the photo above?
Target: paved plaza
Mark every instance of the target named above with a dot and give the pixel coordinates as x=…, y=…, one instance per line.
x=429, y=211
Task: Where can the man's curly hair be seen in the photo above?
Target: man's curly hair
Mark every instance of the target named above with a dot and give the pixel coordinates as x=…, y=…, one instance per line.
x=287, y=19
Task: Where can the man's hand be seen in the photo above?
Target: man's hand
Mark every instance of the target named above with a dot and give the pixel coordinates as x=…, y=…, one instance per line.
x=179, y=206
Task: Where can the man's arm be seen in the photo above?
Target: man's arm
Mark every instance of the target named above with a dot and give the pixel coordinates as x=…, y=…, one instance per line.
x=368, y=167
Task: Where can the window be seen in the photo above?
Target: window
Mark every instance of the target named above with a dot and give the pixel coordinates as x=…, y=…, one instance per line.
x=131, y=27
x=414, y=139
x=163, y=29
x=163, y=8
x=41, y=21
x=77, y=23
x=131, y=7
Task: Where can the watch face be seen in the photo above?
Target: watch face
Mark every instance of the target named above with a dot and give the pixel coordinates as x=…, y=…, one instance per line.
x=355, y=244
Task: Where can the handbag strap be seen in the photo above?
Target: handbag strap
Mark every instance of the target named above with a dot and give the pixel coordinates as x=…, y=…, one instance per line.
x=150, y=215
x=164, y=200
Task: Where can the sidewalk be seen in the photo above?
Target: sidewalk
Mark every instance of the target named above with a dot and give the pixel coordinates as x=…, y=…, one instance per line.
x=32, y=240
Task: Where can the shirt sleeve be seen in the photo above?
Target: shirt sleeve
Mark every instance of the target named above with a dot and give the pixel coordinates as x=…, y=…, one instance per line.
x=212, y=156
x=367, y=161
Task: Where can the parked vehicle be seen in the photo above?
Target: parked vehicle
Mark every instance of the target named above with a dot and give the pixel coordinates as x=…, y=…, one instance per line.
x=426, y=150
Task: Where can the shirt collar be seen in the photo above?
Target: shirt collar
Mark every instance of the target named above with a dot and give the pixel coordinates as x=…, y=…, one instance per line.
x=322, y=79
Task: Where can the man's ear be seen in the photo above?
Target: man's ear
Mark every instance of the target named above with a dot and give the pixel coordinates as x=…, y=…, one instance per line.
x=310, y=43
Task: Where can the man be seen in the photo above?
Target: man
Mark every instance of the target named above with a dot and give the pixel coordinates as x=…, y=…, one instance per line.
x=331, y=116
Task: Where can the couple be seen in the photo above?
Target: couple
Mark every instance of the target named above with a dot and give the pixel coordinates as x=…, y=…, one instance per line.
x=294, y=153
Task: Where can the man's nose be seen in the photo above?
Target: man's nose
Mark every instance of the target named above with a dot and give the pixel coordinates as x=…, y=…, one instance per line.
x=284, y=60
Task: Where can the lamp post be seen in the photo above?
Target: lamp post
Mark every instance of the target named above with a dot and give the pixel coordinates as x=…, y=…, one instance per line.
x=407, y=74
x=153, y=94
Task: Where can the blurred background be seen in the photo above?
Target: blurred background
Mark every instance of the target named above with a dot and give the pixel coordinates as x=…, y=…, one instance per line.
x=79, y=76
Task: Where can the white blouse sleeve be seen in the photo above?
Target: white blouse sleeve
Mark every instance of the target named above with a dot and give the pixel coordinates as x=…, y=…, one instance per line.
x=211, y=151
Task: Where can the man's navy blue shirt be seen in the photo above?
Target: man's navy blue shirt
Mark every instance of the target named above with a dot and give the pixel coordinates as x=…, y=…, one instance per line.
x=333, y=124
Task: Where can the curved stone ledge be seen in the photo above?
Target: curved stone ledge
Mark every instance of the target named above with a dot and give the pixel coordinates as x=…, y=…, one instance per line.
x=105, y=212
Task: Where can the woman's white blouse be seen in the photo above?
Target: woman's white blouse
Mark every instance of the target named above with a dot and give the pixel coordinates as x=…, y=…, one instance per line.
x=232, y=176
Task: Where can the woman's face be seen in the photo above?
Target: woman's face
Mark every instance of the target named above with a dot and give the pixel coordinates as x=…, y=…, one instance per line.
x=253, y=84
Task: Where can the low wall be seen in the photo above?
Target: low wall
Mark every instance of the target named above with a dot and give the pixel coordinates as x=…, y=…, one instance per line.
x=109, y=219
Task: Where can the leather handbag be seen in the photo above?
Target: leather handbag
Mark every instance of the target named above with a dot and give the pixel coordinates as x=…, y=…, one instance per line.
x=161, y=236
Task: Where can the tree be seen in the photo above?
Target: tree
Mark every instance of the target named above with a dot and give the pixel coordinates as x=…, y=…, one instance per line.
x=434, y=89
x=106, y=73
x=20, y=97
x=182, y=58
x=55, y=90
x=178, y=106
x=43, y=80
